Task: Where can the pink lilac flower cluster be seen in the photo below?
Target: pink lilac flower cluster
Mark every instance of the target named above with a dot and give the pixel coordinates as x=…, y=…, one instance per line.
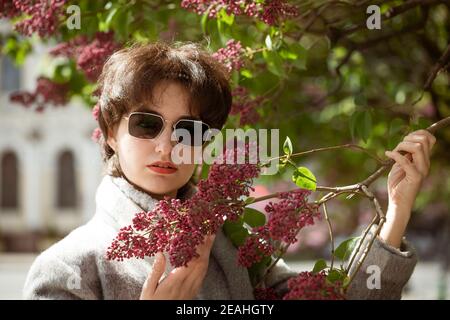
x=236, y=7
x=313, y=286
x=290, y=215
x=8, y=9
x=96, y=111
x=266, y=294
x=275, y=11
x=90, y=55
x=46, y=92
x=286, y=219
x=245, y=106
x=270, y=11
x=230, y=56
x=96, y=133
x=176, y=226
x=43, y=16
x=257, y=246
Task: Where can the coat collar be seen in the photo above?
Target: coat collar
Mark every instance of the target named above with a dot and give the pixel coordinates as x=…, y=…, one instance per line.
x=115, y=205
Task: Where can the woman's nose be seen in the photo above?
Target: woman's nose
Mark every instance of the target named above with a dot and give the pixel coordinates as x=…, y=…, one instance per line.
x=164, y=144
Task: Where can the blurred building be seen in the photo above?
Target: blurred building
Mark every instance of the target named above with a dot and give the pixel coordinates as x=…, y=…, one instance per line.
x=49, y=166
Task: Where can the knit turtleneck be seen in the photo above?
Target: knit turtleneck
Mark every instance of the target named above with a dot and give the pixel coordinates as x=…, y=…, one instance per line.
x=143, y=199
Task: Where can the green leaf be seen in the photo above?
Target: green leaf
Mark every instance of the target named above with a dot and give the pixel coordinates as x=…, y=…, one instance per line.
x=336, y=275
x=62, y=73
x=16, y=50
x=254, y=218
x=110, y=18
x=365, y=127
x=257, y=269
x=246, y=73
x=224, y=17
x=301, y=56
x=285, y=54
x=89, y=25
x=274, y=63
x=319, y=265
x=204, y=21
x=287, y=146
x=344, y=250
x=238, y=237
x=352, y=123
x=205, y=170
x=361, y=125
x=304, y=178
x=122, y=23
x=396, y=126
x=421, y=123
x=249, y=200
x=229, y=227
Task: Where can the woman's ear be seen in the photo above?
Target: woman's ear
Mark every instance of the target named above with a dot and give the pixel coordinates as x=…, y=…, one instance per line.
x=111, y=140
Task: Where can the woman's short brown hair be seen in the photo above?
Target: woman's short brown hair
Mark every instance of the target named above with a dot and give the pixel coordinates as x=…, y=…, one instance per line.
x=130, y=75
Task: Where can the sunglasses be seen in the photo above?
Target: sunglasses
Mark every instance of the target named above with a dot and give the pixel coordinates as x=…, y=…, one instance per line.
x=146, y=125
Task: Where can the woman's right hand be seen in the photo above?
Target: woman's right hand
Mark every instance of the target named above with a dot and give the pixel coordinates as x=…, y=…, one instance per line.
x=182, y=283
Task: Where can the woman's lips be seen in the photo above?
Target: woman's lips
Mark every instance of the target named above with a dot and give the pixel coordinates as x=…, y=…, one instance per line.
x=162, y=170
x=163, y=167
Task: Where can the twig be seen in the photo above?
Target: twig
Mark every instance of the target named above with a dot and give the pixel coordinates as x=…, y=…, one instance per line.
x=330, y=230
x=380, y=216
x=439, y=65
x=269, y=269
x=343, y=146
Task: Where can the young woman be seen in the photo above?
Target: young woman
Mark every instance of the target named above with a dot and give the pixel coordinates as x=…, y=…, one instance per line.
x=147, y=92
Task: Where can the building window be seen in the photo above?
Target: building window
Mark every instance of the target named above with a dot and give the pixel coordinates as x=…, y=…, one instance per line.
x=9, y=75
x=66, y=184
x=9, y=181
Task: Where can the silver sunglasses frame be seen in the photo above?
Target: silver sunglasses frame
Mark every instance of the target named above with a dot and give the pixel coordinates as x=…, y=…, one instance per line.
x=164, y=124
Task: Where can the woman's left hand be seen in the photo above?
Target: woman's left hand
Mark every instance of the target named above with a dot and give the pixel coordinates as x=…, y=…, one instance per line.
x=404, y=182
x=409, y=170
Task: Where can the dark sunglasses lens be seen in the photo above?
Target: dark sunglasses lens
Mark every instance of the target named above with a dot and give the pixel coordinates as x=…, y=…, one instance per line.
x=191, y=132
x=145, y=126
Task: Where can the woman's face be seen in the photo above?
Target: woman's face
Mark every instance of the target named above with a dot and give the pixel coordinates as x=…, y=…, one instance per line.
x=137, y=155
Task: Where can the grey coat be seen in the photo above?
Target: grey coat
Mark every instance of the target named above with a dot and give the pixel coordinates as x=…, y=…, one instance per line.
x=76, y=267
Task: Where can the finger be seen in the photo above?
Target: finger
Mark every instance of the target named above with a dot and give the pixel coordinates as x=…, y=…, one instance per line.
x=204, y=249
x=195, y=279
x=207, y=243
x=421, y=162
x=159, y=266
x=174, y=282
x=431, y=138
x=423, y=140
x=410, y=170
x=196, y=264
x=194, y=284
x=187, y=280
x=199, y=265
